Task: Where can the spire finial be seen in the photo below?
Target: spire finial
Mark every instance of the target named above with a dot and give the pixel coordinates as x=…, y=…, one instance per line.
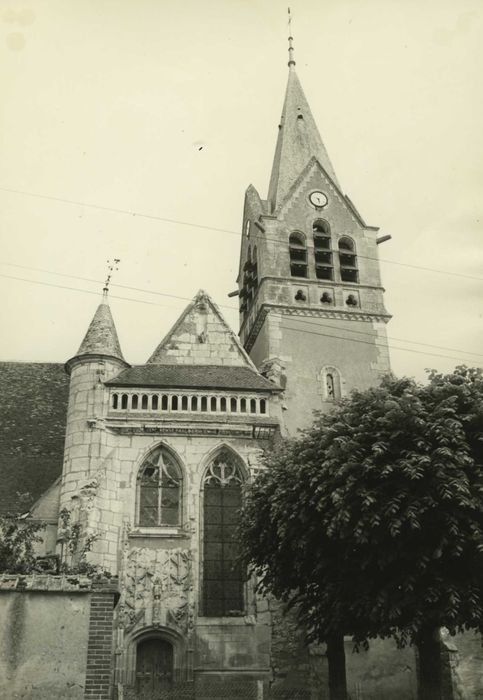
x=112, y=265
x=291, y=60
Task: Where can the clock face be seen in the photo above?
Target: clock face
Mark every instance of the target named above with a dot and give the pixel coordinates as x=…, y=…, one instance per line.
x=318, y=199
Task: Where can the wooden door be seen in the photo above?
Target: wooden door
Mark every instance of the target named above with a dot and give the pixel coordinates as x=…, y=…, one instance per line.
x=154, y=668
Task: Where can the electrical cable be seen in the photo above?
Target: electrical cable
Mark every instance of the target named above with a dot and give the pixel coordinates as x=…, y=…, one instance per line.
x=154, y=217
x=153, y=303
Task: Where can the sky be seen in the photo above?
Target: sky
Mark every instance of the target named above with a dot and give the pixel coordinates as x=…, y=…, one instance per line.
x=130, y=129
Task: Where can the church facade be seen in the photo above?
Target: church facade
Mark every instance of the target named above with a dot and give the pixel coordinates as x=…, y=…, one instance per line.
x=156, y=456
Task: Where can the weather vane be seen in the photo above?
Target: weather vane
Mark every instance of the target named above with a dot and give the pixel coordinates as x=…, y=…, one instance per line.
x=112, y=266
x=291, y=60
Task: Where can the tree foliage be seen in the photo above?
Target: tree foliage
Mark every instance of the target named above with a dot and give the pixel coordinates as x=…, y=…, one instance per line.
x=371, y=521
x=18, y=537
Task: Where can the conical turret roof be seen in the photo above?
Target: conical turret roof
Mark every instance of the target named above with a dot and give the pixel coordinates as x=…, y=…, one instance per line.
x=298, y=141
x=101, y=337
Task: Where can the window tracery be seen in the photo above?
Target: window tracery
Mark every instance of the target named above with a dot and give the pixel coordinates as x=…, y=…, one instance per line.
x=222, y=581
x=159, y=490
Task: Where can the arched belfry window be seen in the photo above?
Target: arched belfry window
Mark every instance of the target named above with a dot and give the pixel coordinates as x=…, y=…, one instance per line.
x=222, y=580
x=159, y=487
x=324, y=269
x=298, y=254
x=348, y=260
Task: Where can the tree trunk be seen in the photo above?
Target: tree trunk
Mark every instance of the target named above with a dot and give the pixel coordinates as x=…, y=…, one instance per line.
x=336, y=659
x=430, y=676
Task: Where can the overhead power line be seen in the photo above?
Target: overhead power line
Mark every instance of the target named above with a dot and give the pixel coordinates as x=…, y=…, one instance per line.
x=153, y=303
x=377, y=345
x=142, y=215
x=90, y=279
x=398, y=340
x=226, y=306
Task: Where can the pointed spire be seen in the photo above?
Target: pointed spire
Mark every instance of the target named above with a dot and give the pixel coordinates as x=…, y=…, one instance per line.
x=298, y=139
x=101, y=337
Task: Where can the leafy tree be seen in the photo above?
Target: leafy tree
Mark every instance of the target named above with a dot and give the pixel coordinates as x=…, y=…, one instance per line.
x=371, y=522
x=18, y=536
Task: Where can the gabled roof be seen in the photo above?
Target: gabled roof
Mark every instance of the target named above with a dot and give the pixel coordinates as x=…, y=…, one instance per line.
x=201, y=336
x=101, y=337
x=193, y=377
x=33, y=410
x=298, y=141
x=302, y=178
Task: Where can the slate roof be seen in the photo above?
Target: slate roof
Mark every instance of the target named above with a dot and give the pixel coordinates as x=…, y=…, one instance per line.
x=193, y=377
x=33, y=410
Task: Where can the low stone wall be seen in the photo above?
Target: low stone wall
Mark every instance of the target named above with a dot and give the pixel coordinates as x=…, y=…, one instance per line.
x=55, y=631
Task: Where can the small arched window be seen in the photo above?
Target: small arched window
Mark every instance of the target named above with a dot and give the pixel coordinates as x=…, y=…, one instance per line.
x=154, y=402
x=222, y=572
x=324, y=269
x=159, y=490
x=348, y=260
x=331, y=384
x=114, y=400
x=144, y=402
x=124, y=401
x=298, y=254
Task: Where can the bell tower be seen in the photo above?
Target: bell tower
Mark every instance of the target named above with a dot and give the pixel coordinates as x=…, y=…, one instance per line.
x=312, y=314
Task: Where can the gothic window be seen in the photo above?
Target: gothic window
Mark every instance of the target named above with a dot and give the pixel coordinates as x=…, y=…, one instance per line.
x=159, y=490
x=124, y=401
x=144, y=402
x=114, y=400
x=324, y=269
x=154, y=403
x=222, y=581
x=348, y=260
x=134, y=402
x=298, y=255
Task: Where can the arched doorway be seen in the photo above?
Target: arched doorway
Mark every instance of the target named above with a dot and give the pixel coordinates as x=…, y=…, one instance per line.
x=154, y=667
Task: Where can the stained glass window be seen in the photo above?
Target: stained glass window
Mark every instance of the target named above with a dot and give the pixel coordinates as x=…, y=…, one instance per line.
x=159, y=490
x=222, y=573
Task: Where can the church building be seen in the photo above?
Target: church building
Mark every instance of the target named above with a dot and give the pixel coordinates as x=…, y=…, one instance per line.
x=156, y=456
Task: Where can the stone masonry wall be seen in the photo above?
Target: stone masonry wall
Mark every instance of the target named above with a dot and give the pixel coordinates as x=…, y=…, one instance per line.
x=43, y=637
